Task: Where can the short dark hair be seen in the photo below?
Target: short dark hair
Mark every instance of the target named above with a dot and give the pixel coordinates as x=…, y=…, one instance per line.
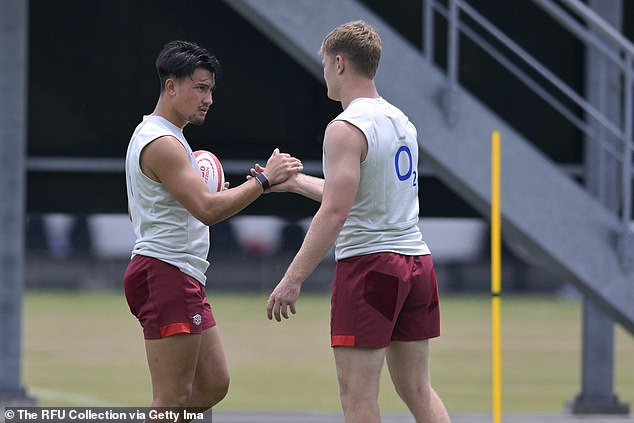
x=180, y=59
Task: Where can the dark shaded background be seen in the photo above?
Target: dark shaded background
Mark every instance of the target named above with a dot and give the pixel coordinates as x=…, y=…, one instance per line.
x=92, y=77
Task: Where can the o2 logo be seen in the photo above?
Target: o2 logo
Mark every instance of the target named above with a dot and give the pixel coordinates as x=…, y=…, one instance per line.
x=404, y=165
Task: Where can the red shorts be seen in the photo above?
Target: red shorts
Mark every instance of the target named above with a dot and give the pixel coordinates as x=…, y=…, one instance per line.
x=383, y=297
x=165, y=300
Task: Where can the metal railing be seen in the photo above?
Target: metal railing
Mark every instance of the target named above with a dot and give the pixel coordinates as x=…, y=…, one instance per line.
x=112, y=165
x=589, y=28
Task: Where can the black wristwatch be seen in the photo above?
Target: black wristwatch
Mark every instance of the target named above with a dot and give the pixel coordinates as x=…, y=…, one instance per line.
x=263, y=180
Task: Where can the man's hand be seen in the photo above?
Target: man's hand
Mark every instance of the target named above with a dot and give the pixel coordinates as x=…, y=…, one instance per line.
x=289, y=185
x=280, y=166
x=281, y=299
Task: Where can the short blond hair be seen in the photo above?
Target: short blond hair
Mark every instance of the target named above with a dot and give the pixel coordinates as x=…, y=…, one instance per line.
x=358, y=42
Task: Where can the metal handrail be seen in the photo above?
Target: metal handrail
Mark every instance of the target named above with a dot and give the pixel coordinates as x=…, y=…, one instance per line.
x=590, y=17
x=543, y=70
x=533, y=84
x=618, y=50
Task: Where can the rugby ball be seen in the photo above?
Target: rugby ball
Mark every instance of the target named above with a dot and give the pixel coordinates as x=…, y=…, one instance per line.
x=210, y=170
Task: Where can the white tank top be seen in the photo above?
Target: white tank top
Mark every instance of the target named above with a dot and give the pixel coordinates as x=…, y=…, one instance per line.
x=164, y=229
x=384, y=216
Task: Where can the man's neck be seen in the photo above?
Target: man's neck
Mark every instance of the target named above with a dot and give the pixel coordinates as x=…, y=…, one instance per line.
x=163, y=110
x=364, y=88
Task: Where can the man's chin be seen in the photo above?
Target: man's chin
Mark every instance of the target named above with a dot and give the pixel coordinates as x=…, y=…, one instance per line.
x=197, y=120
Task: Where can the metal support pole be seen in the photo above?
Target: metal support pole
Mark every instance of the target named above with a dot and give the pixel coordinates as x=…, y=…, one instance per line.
x=13, y=75
x=597, y=375
x=627, y=149
x=626, y=238
x=448, y=99
x=603, y=79
x=428, y=30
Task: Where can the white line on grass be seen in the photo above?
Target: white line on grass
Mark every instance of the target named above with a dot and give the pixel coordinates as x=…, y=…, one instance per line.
x=79, y=400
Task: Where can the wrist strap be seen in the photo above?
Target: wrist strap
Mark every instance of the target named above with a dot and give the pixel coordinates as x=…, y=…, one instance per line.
x=263, y=180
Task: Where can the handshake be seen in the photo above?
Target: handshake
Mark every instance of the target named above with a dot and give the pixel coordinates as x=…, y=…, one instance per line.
x=280, y=172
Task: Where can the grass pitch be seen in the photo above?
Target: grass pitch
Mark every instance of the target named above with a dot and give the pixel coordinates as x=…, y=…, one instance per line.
x=85, y=349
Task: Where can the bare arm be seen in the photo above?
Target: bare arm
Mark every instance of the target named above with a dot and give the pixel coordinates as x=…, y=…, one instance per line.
x=298, y=183
x=306, y=185
x=344, y=146
x=166, y=161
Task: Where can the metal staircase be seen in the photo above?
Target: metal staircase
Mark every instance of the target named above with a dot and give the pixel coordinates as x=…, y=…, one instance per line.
x=550, y=215
x=545, y=213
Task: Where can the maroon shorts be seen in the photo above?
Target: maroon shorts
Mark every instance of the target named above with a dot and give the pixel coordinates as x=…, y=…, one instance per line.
x=165, y=300
x=383, y=297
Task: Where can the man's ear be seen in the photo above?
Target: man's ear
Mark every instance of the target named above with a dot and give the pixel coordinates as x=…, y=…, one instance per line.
x=340, y=62
x=170, y=86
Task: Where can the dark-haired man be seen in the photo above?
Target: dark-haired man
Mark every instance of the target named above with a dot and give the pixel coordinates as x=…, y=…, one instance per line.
x=171, y=208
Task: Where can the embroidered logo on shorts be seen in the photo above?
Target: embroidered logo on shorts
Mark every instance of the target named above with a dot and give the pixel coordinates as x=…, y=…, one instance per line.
x=197, y=319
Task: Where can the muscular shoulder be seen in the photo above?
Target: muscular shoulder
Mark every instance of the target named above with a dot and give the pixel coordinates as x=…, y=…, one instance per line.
x=164, y=151
x=344, y=137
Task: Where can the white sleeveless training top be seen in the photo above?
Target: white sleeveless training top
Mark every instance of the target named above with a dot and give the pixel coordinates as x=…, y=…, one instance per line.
x=164, y=229
x=384, y=216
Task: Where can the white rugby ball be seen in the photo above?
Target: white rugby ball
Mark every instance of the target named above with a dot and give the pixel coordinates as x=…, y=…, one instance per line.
x=210, y=170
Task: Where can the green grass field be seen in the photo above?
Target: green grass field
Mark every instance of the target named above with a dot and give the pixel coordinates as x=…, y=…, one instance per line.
x=85, y=349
